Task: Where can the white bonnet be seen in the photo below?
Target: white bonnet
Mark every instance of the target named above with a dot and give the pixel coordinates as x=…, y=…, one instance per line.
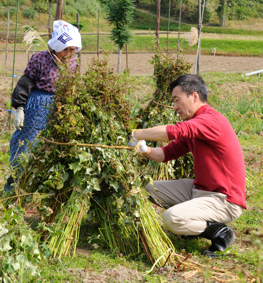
x=63, y=36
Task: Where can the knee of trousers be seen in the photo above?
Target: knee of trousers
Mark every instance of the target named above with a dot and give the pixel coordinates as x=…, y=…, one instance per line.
x=149, y=188
x=171, y=221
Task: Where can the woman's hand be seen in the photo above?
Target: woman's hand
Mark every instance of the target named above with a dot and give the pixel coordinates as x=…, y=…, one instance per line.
x=19, y=118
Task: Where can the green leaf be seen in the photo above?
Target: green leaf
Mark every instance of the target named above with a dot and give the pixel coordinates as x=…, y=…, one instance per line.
x=6, y=244
x=3, y=230
x=75, y=167
x=65, y=176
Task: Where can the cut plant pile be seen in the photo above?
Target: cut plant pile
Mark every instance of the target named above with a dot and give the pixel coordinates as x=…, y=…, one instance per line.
x=67, y=181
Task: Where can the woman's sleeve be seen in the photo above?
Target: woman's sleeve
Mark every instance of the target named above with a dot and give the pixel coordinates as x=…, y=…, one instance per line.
x=22, y=91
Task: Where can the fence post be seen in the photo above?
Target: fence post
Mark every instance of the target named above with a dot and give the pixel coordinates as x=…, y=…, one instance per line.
x=7, y=38
x=179, y=29
x=98, y=34
x=127, y=65
x=158, y=14
x=14, y=60
x=197, y=60
x=168, y=26
x=79, y=54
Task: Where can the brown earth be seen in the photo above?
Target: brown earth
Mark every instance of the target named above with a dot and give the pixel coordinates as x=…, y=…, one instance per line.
x=139, y=64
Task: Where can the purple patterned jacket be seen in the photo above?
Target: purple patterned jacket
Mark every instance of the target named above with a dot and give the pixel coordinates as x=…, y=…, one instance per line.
x=41, y=72
x=42, y=69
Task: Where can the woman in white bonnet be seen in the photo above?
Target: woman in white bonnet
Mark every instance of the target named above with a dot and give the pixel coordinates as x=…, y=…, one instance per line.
x=35, y=89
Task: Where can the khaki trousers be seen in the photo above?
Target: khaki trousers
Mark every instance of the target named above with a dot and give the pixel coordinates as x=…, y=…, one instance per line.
x=188, y=209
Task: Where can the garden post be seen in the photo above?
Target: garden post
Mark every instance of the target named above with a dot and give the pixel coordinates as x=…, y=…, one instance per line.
x=158, y=22
x=179, y=29
x=7, y=38
x=98, y=34
x=79, y=54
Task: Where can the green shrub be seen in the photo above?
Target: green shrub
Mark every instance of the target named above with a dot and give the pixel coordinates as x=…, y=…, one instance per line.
x=70, y=11
x=19, y=251
x=40, y=6
x=8, y=3
x=29, y=13
x=12, y=12
x=87, y=7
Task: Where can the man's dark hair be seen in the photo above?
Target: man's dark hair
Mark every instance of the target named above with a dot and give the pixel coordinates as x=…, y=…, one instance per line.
x=189, y=84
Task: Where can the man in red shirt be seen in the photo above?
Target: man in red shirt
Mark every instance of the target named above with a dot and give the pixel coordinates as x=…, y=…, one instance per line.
x=217, y=194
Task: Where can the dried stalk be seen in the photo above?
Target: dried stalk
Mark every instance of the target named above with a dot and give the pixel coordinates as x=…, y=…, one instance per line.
x=88, y=144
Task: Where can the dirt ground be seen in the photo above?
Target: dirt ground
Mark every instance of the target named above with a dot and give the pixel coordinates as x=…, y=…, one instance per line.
x=139, y=64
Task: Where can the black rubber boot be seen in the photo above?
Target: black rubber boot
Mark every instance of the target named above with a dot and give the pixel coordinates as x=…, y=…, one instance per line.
x=9, y=185
x=221, y=236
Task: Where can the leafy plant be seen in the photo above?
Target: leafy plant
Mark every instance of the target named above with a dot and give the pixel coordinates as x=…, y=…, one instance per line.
x=82, y=164
x=158, y=111
x=120, y=14
x=29, y=13
x=20, y=253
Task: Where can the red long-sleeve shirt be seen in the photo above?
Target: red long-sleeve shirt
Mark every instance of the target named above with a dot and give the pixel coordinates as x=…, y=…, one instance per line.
x=218, y=160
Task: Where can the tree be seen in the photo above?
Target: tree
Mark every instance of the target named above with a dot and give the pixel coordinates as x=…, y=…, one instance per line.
x=222, y=12
x=158, y=15
x=49, y=17
x=120, y=14
x=58, y=15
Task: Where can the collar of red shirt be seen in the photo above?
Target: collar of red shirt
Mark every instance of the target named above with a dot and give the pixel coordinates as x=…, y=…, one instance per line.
x=201, y=110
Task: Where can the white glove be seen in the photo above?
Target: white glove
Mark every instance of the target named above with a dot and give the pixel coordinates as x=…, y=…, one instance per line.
x=19, y=118
x=133, y=141
x=141, y=147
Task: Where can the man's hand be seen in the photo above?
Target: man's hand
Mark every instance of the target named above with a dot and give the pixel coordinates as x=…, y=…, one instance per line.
x=132, y=141
x=19, y=118
x=141, y=147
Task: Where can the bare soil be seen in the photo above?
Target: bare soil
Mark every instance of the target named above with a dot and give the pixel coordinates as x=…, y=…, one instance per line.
x=139, y=64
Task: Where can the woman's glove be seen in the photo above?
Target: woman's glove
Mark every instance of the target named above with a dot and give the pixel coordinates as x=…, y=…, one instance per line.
x=19, y=118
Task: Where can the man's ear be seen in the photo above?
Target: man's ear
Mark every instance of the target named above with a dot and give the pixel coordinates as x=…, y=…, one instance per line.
x=196, y=96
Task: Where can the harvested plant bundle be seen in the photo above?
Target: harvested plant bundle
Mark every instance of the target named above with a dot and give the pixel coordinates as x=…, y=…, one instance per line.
x=68, y=222
x=91, y=109
x=158, y=111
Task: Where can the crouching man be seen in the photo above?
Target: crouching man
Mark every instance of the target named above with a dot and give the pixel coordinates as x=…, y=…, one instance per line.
x=216, y=196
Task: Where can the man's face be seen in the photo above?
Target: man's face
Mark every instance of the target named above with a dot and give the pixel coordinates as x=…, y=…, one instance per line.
x=184, y=105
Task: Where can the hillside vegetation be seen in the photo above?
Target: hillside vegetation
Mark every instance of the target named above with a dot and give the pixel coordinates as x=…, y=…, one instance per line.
x=242, y=17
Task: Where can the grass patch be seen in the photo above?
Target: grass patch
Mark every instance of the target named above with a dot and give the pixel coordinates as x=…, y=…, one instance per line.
x=146, y=21
x=239, y=98
x=96, y=265
x=146, y=43
x=234, y=47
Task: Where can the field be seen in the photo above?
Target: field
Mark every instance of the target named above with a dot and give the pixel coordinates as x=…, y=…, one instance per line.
x=239, y=98
x=140, y=64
